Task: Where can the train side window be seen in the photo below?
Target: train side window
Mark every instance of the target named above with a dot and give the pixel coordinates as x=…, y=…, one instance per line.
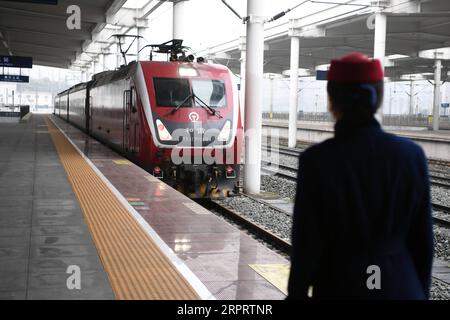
x=170, y=92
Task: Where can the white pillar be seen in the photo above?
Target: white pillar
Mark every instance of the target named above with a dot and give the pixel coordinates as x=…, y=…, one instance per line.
x=270, y=97
x=118, y=55
x=293, y=95
x=437, y=93
x=102, y=62
x=253, y=95
x=379, y=48
x=243, y=53
x=139, y=42
x=411, y=98
x=179, y=19
x=94, y=66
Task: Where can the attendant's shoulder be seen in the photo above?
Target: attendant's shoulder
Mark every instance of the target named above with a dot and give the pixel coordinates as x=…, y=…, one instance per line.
x=317, y=150
x=405, y=145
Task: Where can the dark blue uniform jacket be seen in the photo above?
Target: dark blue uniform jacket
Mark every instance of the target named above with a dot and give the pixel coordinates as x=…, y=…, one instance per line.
x=363, y=199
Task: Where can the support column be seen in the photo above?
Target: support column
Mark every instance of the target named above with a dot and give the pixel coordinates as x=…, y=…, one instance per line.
x=179, y=19
x=293, y=95
x=118, y=55
x=94, y=66
x=411, y=98
x=242, y=91
x=139, y=42
x=270, y=97
x=102, y=62
x=437, y=93
x=253, y=96
x=379, y=48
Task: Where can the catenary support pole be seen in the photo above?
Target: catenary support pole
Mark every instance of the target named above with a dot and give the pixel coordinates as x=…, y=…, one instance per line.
x=293, y=95
x=379, y=50
x=412, y=97
x=102, y=61
x=94, y=66
x=437, y=93
x=118, y=55
x=253, y=95
x=271, y=96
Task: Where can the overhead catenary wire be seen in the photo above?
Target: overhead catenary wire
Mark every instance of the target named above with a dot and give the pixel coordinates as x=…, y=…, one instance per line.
x=283, y=13
x=275, y=17
x=233, y=10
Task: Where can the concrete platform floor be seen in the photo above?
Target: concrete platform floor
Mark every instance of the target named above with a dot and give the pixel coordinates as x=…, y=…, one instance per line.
x=42, y=229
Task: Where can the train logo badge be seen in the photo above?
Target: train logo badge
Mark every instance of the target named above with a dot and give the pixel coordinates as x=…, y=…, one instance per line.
x=194, y=117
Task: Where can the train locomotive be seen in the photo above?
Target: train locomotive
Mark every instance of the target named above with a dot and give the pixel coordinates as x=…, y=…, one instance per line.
x=177, y=119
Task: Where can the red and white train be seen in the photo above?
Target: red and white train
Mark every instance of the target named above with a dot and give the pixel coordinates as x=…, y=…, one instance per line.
x=179, y=120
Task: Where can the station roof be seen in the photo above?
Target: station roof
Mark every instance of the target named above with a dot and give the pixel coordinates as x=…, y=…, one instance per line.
x=33, y=28
x=39, y=30
x=333, y=34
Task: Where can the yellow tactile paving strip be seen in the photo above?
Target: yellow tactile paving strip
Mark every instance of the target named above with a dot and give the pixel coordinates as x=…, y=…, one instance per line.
x=136, y=267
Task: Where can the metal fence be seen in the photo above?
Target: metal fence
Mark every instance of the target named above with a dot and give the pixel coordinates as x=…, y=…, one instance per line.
x=301, y=116
x=388, y=120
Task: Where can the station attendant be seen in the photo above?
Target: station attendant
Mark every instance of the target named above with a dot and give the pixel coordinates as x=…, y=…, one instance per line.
x=362, y=226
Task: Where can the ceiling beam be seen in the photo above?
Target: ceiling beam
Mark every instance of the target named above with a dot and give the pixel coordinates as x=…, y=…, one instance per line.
x=79, y=35
x=88, y=17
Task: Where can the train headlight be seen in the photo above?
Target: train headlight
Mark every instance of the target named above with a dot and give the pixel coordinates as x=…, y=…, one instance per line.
x=224, y=134
x=184, y=71
x=164, y=135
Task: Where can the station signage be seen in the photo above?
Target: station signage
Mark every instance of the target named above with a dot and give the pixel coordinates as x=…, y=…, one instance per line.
x=322, y=75
x=13, y=78
x=445, y=105
x=53, y=2
x=16, y=62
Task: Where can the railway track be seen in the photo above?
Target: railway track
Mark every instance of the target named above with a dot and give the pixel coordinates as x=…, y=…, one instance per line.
x=438, y=207
x=268, y=236
x=436, y=180
x=294, y=152
x=439, y=220
x=297, y=151
x=254, y=228
x=271, y=168
x=443, y=181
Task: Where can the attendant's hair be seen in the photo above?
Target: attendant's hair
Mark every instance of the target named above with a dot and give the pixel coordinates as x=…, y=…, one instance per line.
x=356, y=103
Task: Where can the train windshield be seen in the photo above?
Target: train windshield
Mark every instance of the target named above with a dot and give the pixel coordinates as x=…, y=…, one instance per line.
x=171, y=92
x=212, y=92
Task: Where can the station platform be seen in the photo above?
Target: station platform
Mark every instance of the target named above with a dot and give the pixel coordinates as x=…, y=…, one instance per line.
x=68, y=202
x=436, y=144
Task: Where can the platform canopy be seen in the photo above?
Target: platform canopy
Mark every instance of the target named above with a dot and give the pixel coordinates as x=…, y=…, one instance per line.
x=418, y=26
x=38, y=28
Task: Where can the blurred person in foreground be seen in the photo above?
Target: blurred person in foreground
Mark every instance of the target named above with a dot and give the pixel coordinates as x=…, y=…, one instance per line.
x=362, y=226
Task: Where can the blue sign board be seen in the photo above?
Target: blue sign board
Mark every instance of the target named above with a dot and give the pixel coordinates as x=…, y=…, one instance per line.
x=16, y=62
x=14, y=78
x=52, y=2
x=445, y=105
x=322, y=75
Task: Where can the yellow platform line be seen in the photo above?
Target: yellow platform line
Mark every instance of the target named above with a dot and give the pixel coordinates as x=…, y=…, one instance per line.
x=136, y=267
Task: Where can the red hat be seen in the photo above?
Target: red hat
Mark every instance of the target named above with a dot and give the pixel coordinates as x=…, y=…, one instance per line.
x=355, y=68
